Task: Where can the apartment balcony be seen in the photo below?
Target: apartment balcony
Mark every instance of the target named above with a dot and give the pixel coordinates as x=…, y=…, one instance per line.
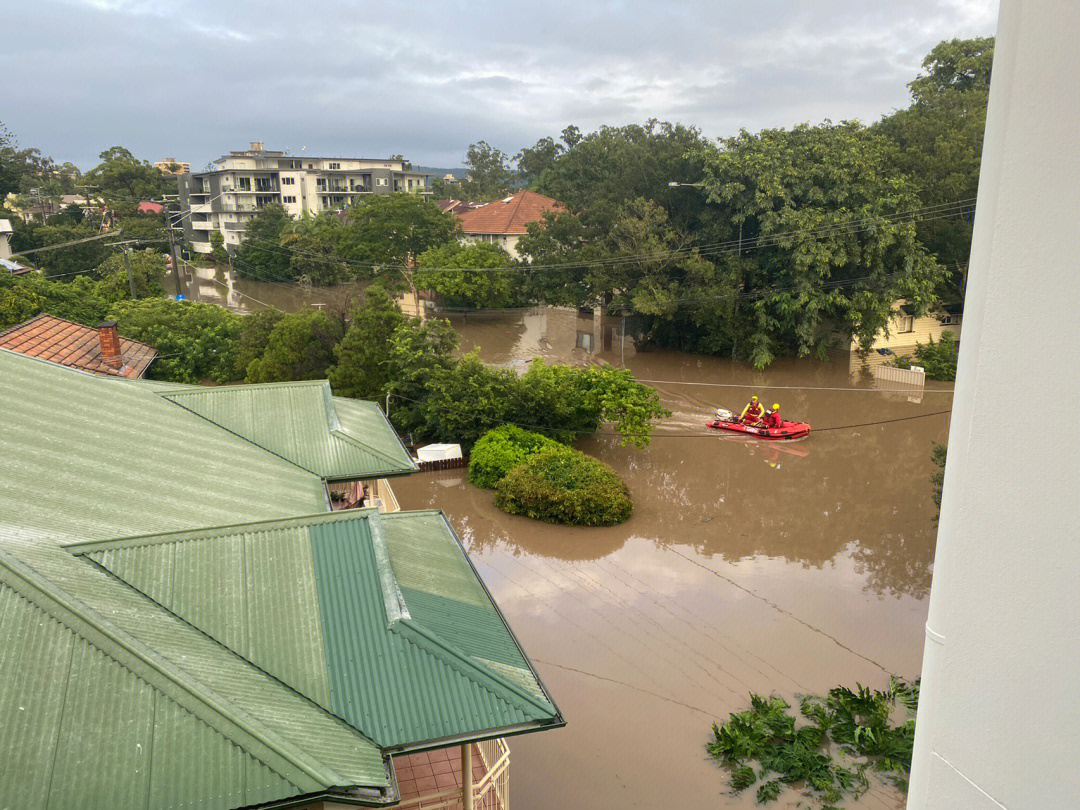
x=200, y=208
x=201, y=225
x=433, y=780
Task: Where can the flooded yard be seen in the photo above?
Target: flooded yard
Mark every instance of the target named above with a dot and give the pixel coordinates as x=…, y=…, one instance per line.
x=772, y=568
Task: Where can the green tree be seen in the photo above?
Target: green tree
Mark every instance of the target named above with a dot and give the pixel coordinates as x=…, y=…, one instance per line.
x=600, y=172
x=23, y=297
x=938, y=143
x=465, y=400
x=67, y=262
x=124, y=180
x=300, y=347
x=533, y=161
x=254, y=336
x=362, y=370
x=416, y=352
x=314, y=260
x=195, y=341
x=794, y=193
x=261, y=255
x=217, y=247
x=467, y=289
x=392, y=230
x=147, y=269
x=489, y=173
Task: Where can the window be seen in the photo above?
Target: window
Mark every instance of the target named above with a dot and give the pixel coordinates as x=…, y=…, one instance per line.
x=335, y=166
x=382, y=181
x=243, y=183
x=905, y=324
x=950, y=320
x=289, y=198
x=288, y=181
x=410, y=185
x=320, y=183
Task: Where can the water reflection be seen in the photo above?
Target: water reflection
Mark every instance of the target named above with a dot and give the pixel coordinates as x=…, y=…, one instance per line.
x=747, y=566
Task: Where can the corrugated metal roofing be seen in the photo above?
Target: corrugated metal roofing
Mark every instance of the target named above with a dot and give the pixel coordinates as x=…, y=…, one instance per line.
x=300, y=421
x=89, y=457
x=446, y=666
x=114, y=688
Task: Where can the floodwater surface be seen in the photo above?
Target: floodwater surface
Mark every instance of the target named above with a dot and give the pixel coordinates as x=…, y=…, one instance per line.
x=780, y=568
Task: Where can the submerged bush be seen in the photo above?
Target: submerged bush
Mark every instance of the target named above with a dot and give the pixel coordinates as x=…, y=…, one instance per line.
x=500, y=450
x=847, y=732
x=939, y=359
x=561, y=485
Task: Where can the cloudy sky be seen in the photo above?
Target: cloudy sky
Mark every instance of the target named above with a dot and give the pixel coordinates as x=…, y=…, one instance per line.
x=193, y=79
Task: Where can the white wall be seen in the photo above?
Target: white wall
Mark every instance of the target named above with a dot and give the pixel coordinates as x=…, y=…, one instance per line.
x=998, y=724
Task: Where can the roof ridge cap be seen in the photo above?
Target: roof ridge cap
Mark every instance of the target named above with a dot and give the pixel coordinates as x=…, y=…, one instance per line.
x=159, y=664
x=81, y=547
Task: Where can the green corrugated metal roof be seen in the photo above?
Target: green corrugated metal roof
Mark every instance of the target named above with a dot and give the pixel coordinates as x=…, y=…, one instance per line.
x=103, y=686
x=406, y=651
x=300, y=421
x=87, y=457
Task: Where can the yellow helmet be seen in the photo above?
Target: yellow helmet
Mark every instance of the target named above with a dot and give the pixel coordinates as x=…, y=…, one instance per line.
x=753, y=399
x=776, y=406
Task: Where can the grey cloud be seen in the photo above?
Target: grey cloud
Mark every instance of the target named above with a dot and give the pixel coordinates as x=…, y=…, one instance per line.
x=194, y=78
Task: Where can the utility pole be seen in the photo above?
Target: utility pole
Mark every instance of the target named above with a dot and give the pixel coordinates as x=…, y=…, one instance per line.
x=172, y=251
x=130, y=275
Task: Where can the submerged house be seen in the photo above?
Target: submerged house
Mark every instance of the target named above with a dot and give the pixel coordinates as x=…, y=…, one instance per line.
x=906, y=330
x=184, y=621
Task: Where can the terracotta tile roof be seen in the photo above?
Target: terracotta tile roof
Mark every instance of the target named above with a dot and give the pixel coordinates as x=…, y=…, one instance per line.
x=147, y=207
x=72, y=344
x=509, y=215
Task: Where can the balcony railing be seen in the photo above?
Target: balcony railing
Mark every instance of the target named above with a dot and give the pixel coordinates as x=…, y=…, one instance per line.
x=490, y=791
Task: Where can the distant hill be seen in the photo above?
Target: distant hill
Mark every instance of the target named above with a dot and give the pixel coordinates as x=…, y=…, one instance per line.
x=460, y=174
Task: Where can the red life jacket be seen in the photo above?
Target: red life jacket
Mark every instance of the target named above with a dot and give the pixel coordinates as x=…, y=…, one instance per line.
x=774, y=420
x=754, y=411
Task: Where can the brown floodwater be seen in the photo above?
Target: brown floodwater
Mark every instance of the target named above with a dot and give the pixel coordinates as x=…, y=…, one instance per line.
x=784, y=568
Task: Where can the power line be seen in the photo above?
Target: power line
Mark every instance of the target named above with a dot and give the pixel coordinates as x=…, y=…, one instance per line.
x=766, y=387
x=934, y=212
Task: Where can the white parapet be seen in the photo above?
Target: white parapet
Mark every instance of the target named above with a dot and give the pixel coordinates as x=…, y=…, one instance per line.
x=997, y=720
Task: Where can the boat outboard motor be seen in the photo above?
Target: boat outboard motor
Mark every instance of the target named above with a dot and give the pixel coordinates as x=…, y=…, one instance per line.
x=724, y=415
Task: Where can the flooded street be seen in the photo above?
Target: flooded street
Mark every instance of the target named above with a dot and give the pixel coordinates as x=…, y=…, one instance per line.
x=773, y=568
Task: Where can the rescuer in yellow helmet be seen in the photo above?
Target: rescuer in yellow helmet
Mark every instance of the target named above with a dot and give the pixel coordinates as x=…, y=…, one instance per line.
x=752, y=413
x=772, y=418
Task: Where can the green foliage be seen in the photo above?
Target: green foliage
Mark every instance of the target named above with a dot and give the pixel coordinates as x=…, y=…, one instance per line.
x=784, y=186
x=261, y=256
x=254, y=336
x=124, y=180
x=392, y=229
x=846, y=733
x=150, y=227
x=937, y=479
x=147, y=269
x=195, y=341
x=23, y=297
x=938, y=142
x=300, y=347
x=489, y=173
x=67, y=262
x=217, y=247
x=314, y=261
x=596, y=174
x=561, y=485
x=465, y=289
x=939, y=359
x=361, y=370
x=500, y=450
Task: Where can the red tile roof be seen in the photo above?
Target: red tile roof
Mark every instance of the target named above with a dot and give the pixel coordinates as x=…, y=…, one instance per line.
x=147, y=207
x=509, y=215
x=72, y=344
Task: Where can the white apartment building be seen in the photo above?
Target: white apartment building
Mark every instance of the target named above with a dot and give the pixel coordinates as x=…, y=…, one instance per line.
x=226, y=198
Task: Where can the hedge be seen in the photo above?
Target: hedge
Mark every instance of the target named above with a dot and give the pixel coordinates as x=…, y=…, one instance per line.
x=500, y=450
x=561, y=485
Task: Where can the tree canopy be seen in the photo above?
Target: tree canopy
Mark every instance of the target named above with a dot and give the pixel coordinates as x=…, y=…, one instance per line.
x=467, y=289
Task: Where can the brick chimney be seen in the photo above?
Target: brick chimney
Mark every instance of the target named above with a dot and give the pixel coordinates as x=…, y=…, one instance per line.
x=109, y=336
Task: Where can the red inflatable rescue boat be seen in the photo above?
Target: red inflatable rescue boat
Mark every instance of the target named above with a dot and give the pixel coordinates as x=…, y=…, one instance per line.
x=787, y=430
